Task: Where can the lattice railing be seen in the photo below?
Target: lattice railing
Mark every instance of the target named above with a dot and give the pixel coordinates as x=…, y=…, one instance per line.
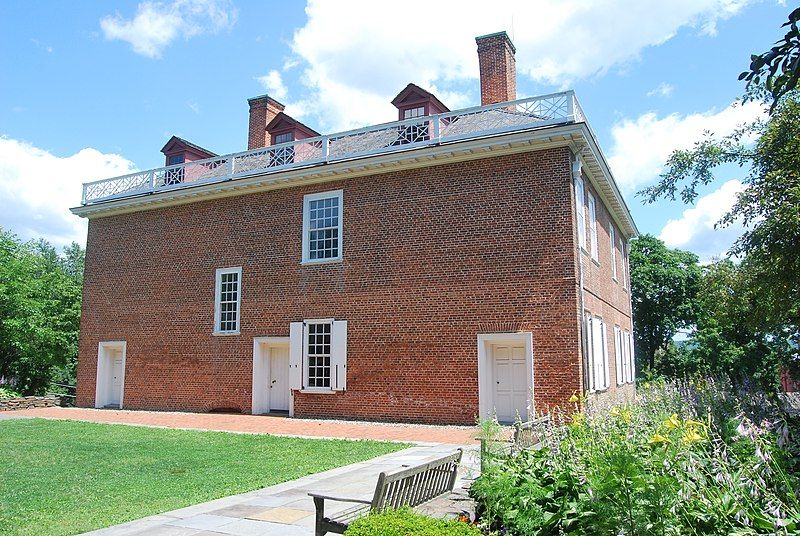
x=534, y=112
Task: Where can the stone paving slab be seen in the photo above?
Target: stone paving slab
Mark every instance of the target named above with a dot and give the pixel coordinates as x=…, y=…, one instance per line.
x=265, y=424
x=287, y=510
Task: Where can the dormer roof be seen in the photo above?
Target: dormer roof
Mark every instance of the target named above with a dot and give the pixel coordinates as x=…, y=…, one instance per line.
x=179, y=145
x=413, y=94
x=285, y=123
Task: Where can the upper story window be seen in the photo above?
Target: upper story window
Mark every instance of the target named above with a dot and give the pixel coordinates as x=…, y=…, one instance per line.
x=623, y=248
x=593, y=227
x=322, y=226
x=227, y=301
x=613, y=239
x=579, y=210
x=174, y=176
x=174, y=159
x=411, y=113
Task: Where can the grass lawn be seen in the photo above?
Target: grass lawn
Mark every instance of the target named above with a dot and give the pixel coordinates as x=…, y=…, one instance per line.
x=64, y=477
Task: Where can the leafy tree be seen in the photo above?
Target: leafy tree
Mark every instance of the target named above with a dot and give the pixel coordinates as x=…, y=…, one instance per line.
x=769, y=206
x=664, y=285
x=39, y=313
x=778, y=69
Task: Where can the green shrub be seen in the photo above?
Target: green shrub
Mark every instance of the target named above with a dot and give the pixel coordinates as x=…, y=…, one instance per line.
x=684, y=459
x=6, y=392
x=405, y=522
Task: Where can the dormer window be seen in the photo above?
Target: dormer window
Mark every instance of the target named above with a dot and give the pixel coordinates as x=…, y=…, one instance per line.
x=178, y=151
x=283, y=138
x=411, y=113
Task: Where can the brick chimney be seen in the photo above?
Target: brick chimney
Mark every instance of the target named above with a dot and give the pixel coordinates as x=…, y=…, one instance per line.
x=263, y=109
x=498, y=68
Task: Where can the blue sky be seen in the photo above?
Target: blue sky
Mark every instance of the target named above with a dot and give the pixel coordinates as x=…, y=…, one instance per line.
x=94, y=89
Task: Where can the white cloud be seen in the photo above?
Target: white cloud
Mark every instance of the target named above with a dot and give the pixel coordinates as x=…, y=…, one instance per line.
x=37, y=189
x=695, y=231
x=355, y=56
x=273, y=83
x=157, y=24
x=642, y=145
x=663, y=90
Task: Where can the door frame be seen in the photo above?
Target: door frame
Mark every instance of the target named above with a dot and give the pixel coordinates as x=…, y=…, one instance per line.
x=261, y=373
x=486, y=368
x=103, y=370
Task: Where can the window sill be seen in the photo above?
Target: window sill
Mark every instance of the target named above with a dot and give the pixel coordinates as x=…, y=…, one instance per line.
x=614, y=279
x=595, y=261
x=320, y=261
x=317, y=391
x=225, y=333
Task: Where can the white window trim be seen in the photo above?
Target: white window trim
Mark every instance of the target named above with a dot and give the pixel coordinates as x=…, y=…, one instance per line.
x=593, y=226
x=597, y=367
x=579, y=206
x=217, y=289
x=306, y=214
x=612, y=232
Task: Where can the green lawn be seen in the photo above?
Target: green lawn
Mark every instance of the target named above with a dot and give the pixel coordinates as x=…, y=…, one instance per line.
x=62, y=477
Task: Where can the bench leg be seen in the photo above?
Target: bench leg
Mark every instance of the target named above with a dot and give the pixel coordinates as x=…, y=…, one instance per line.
x=319, y=505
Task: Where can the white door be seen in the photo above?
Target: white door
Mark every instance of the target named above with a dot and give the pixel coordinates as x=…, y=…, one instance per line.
x=117, y=371
x=278, y=382
x=510, y=383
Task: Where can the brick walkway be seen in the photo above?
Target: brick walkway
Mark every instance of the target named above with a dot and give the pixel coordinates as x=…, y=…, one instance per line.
x=264, y=424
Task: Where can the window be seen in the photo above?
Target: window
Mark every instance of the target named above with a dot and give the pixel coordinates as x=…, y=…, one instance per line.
x=593, y=226
x=318, y=352
x=620, y=360
x=414, y=112
x=322, y=227
x=597, y=350
x=228, y=298
x=175, y=175
x=282, y=155
x=623, y=249
x=318, y=355
x=627, y=344
x=613, y=241
x=579, y=200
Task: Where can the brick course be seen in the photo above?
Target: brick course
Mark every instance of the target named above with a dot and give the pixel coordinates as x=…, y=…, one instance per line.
x=432, y=258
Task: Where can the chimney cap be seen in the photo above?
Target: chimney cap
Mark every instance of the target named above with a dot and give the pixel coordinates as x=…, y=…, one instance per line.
x=494, y=35
x=266, y=99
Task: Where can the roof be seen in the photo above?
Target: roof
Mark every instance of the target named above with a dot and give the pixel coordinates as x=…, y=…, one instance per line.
x=175, y=140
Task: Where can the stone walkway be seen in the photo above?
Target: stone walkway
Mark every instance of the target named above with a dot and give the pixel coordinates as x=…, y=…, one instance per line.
x=265, y=424
x=287, y=510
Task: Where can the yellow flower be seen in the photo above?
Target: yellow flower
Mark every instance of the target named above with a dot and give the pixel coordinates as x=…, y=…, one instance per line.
x=626, y=415
x=578, y=419
x=694, y=424
x=691, y=436
x=673, y=422
x=614, y=411
x=573, y=399
x=659, y=439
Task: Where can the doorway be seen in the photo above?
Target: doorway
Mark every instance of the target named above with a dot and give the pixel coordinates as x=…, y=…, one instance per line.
x=110, y=383
x=505, y=376
x=271, y=392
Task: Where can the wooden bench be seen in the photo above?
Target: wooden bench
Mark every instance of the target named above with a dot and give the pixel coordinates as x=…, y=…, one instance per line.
x=407, y=486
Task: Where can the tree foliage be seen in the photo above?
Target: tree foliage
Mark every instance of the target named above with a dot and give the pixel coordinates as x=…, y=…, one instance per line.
x=778, y=69
x=40, y=302
x=664, y=284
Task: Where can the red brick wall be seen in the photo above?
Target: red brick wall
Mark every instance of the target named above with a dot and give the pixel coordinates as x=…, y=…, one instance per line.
x=432, y=258
x=604, y=296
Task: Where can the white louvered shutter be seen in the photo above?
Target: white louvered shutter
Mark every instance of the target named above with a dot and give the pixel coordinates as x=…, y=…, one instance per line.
x=604, y=337
x=619, y=361
x=589, y=351
x=632, y=361
x=339, y=355
x=296, y=344
x=597, y=353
